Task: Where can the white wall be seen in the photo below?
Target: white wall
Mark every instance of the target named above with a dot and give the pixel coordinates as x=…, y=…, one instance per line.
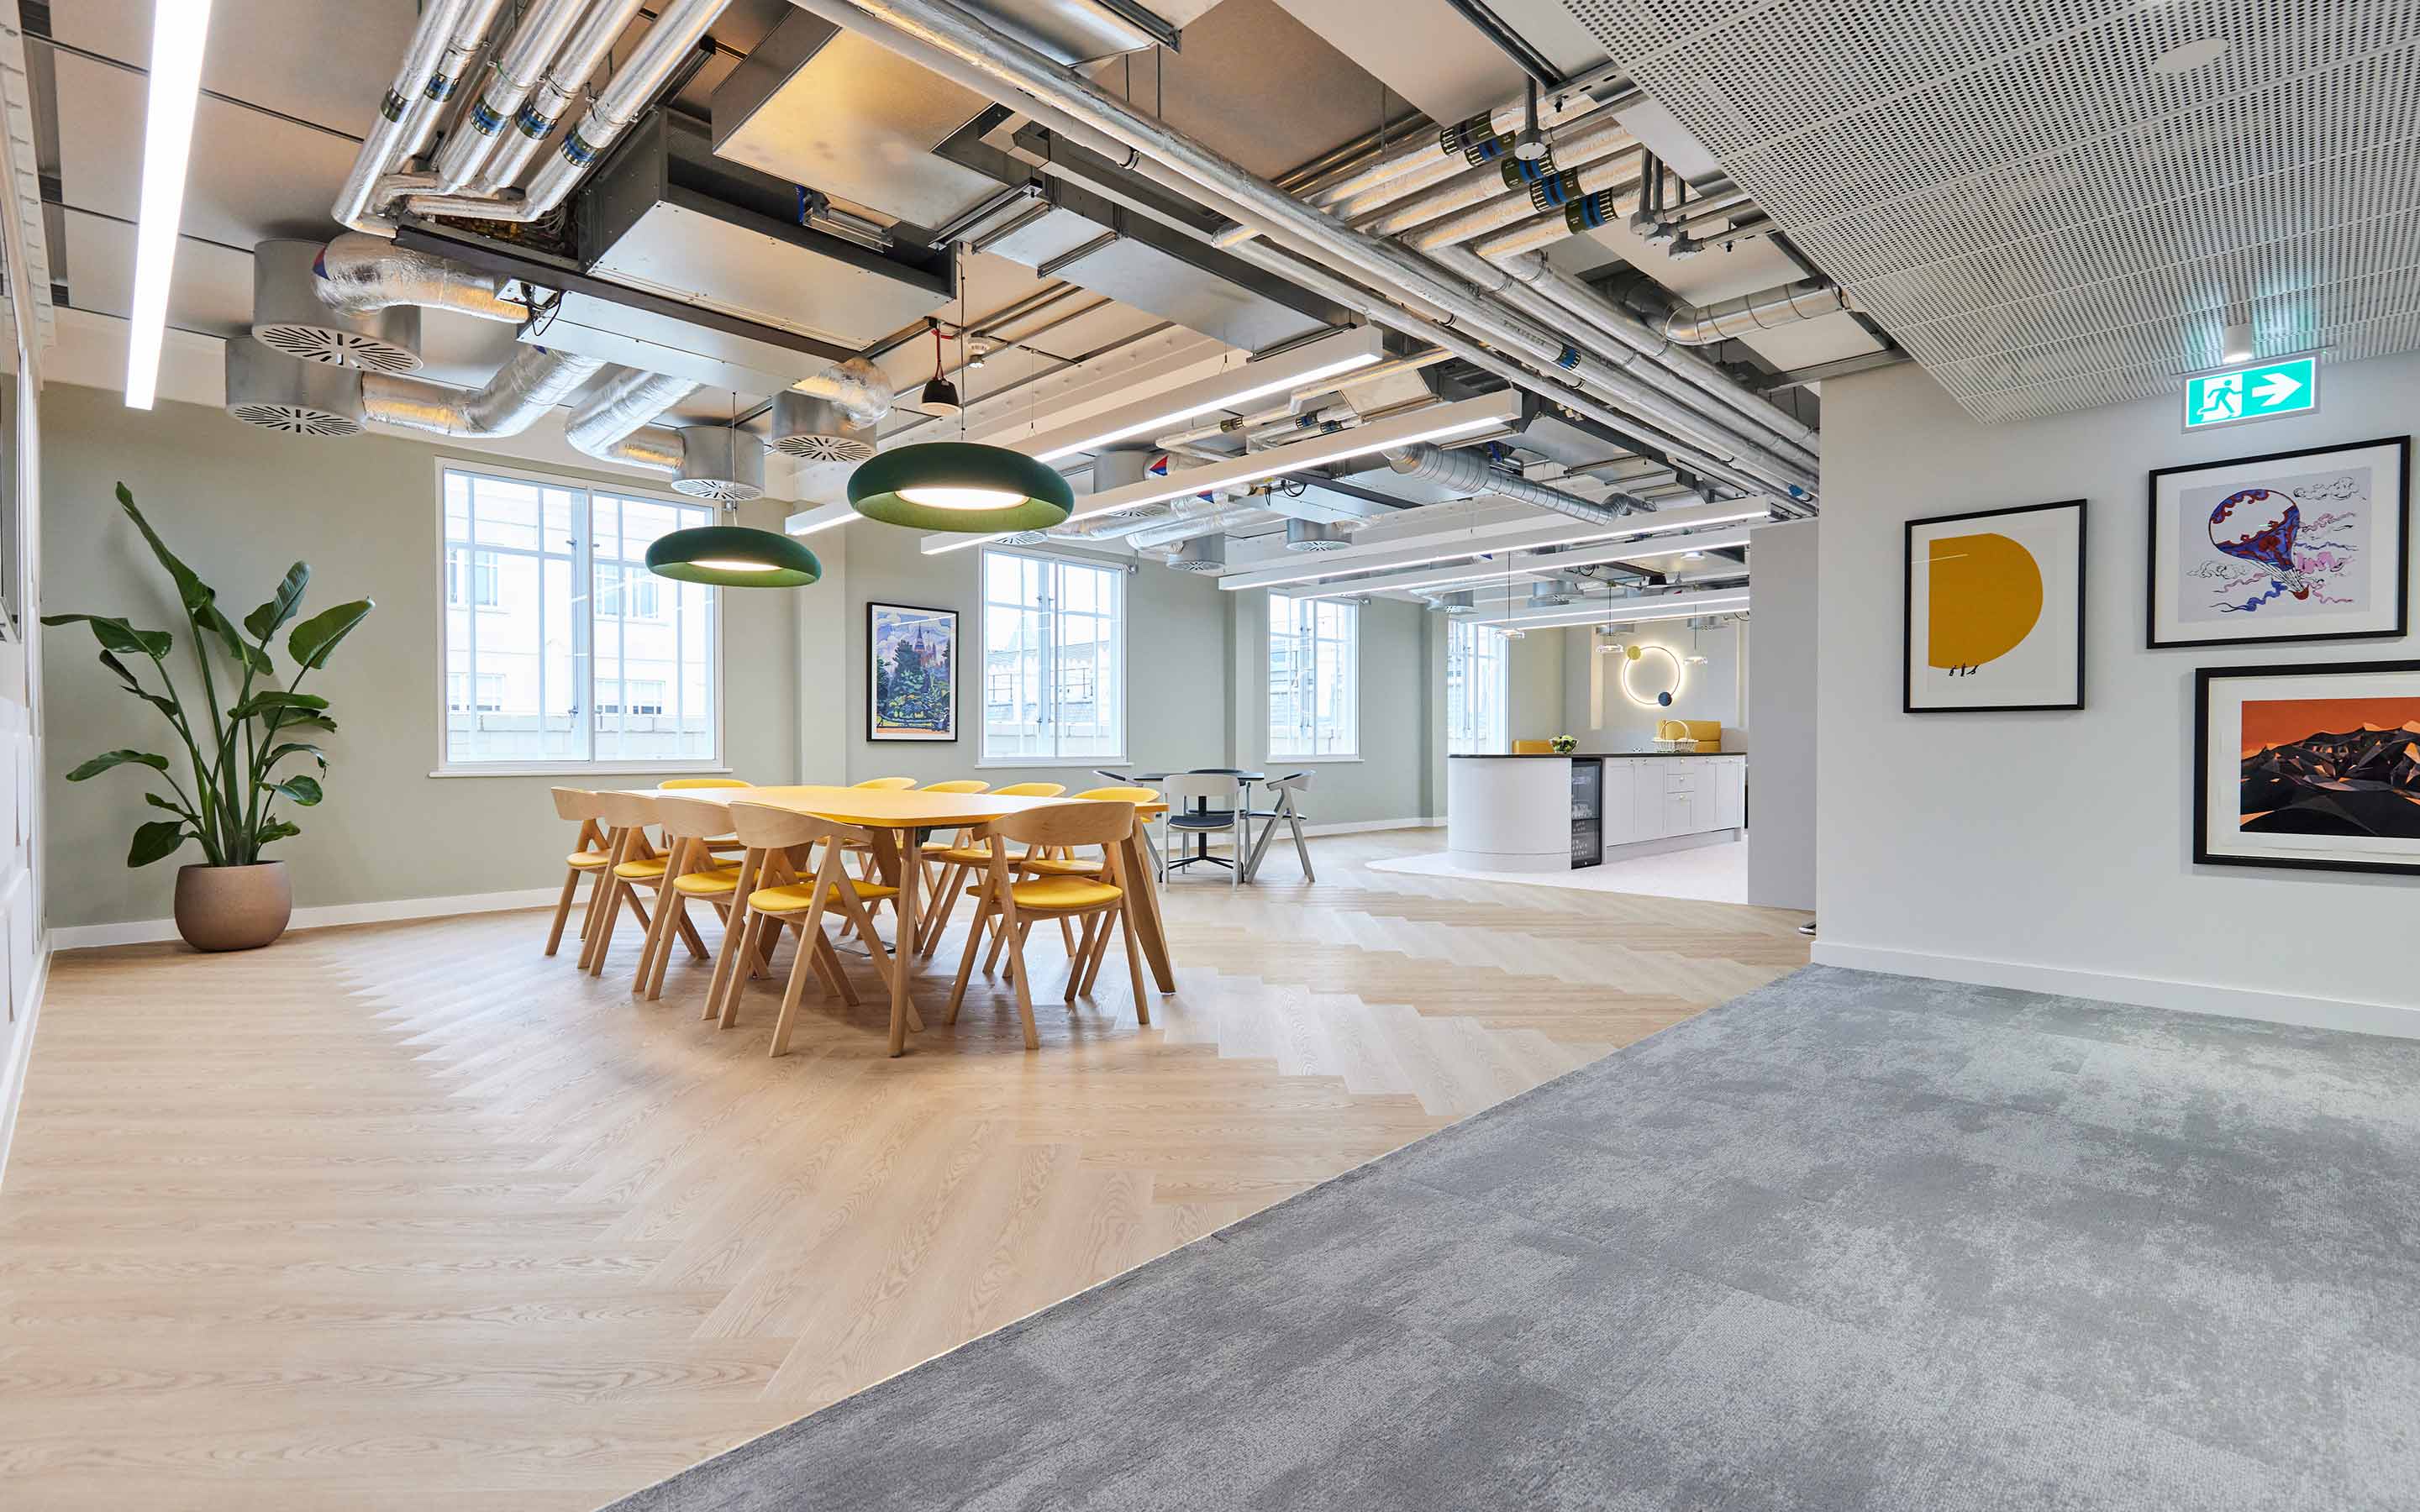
x=24, y=938
x=1596, y=710
x=2052, y=851
x=1784, y=674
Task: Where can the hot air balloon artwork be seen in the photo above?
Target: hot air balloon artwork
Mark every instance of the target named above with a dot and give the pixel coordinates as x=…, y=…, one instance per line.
x=1996, y=611
x=2299, y=546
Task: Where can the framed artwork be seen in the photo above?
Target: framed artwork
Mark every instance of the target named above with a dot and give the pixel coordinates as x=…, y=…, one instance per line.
x=911, y=677
x=2315, y=765
x=1996, y=611
x=2295, y=546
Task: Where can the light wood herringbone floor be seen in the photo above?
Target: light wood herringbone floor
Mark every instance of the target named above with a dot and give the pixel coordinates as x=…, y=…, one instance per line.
x=409, y=1216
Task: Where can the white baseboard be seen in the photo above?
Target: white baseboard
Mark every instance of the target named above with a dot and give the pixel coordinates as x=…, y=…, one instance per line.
x=2146, y=991
x=12, y=1077
x=143, y=930
x=1363, y=827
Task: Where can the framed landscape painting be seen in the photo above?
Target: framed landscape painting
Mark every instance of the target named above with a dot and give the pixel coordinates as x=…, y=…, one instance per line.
x=911, y=682
x=1995, y=603
x=2295, y=546
x=2315, y=766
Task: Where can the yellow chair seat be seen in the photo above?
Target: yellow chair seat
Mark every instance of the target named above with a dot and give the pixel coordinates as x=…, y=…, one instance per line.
x=799, y=897
x=964, y=854
x=720, y=880
x=1054, y=867
x=1060, y=895
x=588, y=860
x=641, y=870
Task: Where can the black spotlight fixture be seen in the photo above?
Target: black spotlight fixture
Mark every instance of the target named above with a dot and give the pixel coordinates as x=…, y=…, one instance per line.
x=941, y=395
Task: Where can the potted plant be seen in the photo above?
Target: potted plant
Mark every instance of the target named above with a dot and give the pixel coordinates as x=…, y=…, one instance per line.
x=1563, y=745
x=232, y=900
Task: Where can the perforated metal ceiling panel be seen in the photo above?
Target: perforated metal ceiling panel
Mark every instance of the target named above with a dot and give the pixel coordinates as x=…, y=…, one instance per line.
x=2046, y=219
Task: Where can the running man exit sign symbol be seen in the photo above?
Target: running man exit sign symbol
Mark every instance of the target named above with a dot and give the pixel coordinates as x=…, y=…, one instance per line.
x=2264, y=391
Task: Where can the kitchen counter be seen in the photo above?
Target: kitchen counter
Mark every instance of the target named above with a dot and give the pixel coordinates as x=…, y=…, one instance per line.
x=1580, y=755
x=1540, y=811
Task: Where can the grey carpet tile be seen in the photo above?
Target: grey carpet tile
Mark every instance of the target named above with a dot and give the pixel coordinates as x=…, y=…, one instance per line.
x=1849, y=1242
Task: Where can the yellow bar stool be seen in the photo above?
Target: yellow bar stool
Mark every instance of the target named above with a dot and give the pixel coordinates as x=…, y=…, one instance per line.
x=777, y=841
x=636, y=867
x=593, y=854
x=1100, y=904
x=692, y=874
x=955, y=858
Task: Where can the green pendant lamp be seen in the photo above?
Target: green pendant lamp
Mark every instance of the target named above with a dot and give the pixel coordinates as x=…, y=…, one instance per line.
x=960, y=485
x=734, y=556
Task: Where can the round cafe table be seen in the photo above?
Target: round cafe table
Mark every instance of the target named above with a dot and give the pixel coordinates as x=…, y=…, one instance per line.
x=1244, y=782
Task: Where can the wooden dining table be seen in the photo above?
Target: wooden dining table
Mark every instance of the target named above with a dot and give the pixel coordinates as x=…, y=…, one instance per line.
x=897, y=817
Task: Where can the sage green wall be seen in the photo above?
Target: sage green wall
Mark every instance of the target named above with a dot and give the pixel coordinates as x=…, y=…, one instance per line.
x=1536, y=709
x=239, y=504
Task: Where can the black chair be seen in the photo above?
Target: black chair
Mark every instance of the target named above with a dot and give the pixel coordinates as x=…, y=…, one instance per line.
x=1182, y=789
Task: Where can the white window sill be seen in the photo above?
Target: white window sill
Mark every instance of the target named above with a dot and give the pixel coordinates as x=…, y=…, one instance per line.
x=1308, y=761
x=1052, y=762
x=582, y=769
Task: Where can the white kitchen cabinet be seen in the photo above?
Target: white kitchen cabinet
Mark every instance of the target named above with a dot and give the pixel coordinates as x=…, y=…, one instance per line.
x=1620, y=810
x=1731, y=792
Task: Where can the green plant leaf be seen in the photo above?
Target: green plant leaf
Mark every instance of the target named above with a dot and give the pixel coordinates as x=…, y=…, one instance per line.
x=116, y=635
x=275, y=698
x=265, y=621
x=295, y=747
x=118, y=758
x=296, y=724
x=274, y=829
x=109, y=659
x=171, y=804
x=157, y=840
x=303, y=790
x=195, y=595
x=209, y=617
x=316, y=636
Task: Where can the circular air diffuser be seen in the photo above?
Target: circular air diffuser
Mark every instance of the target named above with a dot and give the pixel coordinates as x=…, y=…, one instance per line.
x=1023, y=538
x=288, y=315
x=722, y=463
x=1203, y=553
x=274, y=392
x=816, y=430
x=1314, y=536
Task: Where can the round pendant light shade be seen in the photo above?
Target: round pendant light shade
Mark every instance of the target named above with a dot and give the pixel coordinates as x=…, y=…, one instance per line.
x=960, y=485
x=734, y=556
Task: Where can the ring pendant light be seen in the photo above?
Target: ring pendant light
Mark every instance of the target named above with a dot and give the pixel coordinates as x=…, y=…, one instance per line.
x=960, y=485
x=1631, y=658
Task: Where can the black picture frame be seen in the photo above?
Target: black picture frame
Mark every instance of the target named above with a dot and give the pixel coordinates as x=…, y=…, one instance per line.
x=957, y=682
x=2156, y=549
x=1907, y=608
x=2203, y=679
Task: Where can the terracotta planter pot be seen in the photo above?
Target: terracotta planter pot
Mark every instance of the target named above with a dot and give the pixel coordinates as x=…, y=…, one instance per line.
x=233, y=907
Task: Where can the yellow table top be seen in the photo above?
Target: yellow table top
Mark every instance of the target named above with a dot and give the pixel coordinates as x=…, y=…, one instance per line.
x=878, y=808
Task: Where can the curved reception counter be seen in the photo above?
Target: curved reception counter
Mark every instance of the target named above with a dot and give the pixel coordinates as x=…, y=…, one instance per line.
x=1553, y=813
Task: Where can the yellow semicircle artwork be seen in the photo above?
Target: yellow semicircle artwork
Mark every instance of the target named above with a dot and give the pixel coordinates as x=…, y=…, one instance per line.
x=1986, y=597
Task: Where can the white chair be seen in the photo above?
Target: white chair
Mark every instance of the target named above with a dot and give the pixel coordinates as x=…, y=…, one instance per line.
x=1225, y=813
x=1288, y=807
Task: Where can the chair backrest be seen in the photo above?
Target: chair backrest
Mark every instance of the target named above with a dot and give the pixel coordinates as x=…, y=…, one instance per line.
x=1030, y=790
x=1534, y=747
x=1294, y=781
x=762, y=827
x=672, y=784
x=694, y=818
x=1067, y=823
x=886, y=784
x=1120, y=794
x=622, y=810
x=575, y=804
x=1182, y=787
x=956, y=784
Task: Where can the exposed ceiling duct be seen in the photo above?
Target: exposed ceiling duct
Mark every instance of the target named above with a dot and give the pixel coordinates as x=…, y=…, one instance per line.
x=526, y=387
x=613, y=423
x=1807, y=298
x=1470, y=472
x=720, y=462
x=818, y=430
x=1316, y=535
x=520, y=63
x=1203, y=553
x=290, y=316
x=276, y=391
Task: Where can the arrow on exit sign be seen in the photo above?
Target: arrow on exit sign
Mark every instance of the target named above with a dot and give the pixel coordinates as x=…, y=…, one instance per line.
x=2261, y=391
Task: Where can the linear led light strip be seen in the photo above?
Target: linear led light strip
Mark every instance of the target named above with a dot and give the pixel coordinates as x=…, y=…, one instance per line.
x=1615, y=615
x=179, y=29
x=1541, y=564
x=1196, y=483
x=1204, y=397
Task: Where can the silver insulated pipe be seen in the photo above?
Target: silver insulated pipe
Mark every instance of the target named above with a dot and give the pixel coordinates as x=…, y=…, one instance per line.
x=530, y=384
x=1786, y=304
x=1469, y=473
x=406, y=100
x=519, y=65
x=612, y=424
x=362, y=273
x=553, y=94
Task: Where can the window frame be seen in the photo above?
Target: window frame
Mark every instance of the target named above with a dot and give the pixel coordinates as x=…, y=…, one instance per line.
x=1502, y=660
x=587, y=488
x=1268, y=705
x=1057, y=759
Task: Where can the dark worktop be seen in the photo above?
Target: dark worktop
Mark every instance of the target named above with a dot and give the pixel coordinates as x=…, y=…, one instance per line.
x=1580, y=755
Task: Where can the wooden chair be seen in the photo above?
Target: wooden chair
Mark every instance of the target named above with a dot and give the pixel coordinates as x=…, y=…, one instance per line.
x=593, y=854
x=674, y=784
x=864, y=854
x=779, y=843
x=931, y=842
x=692, y=873
x=1099, y=902
x=953, y=859
x=635, y=869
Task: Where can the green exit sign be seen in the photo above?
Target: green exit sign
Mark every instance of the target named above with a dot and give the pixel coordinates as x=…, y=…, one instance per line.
x=2262, y=391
